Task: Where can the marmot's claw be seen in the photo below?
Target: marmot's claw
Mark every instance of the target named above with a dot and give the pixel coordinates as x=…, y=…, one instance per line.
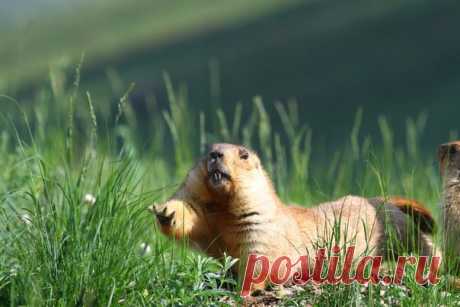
x=165, y=220
x=162, y=215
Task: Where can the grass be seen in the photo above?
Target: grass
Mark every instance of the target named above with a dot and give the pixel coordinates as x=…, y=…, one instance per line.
x=60, y=249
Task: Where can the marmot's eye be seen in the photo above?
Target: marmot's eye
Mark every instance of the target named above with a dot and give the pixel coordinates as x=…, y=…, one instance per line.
x=244, y=154
x=452, y=150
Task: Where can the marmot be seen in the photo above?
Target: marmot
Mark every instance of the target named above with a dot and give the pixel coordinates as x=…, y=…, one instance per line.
x=227, y=204
x=449, y=164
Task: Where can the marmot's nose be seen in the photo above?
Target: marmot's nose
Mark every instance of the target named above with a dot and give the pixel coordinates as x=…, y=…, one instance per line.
x=216, y=154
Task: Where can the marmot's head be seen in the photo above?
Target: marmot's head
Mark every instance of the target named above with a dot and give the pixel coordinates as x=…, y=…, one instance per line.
x=449, y=162
x=228, y=167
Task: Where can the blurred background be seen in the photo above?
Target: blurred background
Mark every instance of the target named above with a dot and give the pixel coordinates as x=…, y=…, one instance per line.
x=330, y=59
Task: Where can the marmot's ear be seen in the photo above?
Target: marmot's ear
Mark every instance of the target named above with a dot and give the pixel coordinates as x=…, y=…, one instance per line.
x=443, y=149
x=448, y=152
x=243, y=153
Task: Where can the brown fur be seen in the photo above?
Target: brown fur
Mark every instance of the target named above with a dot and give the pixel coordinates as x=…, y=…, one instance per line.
x=242, y=214
x=449, y=163
x=412, y=207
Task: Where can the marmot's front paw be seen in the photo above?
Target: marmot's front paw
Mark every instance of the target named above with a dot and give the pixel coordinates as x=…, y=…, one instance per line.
x=164, y=214
x=174, y=217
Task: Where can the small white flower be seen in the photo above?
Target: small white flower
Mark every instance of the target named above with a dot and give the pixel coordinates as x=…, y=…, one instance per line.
x=14, y=271
x=26, y=219
x=145, y=249
x=89, y=199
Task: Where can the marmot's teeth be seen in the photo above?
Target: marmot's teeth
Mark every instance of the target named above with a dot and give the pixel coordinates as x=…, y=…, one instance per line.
x=217, y=177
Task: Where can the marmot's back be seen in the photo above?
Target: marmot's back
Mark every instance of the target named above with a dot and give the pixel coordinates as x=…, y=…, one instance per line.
x=364, y=223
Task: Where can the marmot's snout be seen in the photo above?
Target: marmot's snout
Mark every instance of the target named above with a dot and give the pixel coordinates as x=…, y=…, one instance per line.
x=227, y=162
x=218, y=172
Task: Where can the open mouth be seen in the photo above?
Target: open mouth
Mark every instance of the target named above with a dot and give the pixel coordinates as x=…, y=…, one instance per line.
x=218, y=176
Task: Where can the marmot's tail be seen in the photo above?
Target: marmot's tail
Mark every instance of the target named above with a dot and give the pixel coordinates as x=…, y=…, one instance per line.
x=412, y=207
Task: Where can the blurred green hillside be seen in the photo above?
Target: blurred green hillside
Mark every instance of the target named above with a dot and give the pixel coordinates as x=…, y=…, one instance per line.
x=110, y=30
x=393, y=58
